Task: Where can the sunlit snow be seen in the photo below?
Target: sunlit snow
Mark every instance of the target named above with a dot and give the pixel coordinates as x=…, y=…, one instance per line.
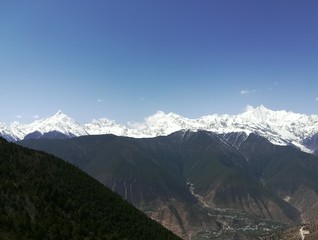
x=279, y=127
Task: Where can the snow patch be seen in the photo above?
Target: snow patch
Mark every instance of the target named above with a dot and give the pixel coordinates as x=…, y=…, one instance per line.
x=287, y=198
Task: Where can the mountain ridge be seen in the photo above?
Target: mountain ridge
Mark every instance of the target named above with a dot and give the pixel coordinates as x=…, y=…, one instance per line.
x=279, y=127
x=198, y=183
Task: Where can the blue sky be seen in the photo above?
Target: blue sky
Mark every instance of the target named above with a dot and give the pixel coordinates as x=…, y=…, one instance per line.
x=125, y=59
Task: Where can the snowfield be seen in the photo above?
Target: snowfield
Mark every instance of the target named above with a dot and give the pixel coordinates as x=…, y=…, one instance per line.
x=279, y=127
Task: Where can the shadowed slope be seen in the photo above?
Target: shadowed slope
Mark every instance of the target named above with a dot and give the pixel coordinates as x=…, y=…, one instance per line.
x=43, y=197
x=191, y=182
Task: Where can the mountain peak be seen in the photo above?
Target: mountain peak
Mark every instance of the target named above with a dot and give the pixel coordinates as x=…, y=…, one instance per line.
x=59, y=113
x=279, y=127
x=59, y=122
x=260, y=108
x=260, y=113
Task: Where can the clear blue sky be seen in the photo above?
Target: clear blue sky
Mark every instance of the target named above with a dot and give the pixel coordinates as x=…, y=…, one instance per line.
x=125, y=59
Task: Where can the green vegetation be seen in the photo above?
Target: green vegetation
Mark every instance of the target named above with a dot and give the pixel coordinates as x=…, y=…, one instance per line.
x=43, y=197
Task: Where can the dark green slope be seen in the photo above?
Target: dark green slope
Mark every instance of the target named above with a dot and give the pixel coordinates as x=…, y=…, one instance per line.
x=43, y=197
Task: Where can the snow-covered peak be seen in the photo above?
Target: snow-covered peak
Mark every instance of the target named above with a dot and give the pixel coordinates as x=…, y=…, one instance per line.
x=260, y=113
x=159, y=124
x=59, y=122
x=279, y=127
x=60, y=116
x=3, y=128
x=17, y=130
x=265, y=115
x=105, y=126
x=59, y=112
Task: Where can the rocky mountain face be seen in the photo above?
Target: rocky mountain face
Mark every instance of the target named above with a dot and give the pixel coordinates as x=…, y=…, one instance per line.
x=281, y=171
x=201, y=184
x=279, y=127
x=312, y=143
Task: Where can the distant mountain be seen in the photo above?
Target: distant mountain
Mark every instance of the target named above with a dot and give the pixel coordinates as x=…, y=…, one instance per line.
x=58, y=123
x=5, y=133
x=201, y=184
x=43, y=197
x=279, y=127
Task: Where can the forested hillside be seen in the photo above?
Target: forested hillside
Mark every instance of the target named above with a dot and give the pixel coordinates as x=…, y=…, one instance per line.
x=43, y=197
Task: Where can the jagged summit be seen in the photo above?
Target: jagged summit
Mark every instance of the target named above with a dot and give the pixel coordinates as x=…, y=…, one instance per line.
x=279, y=127
x=59, y=112
x=59, y=122
x=259, y=108
x=59, y=115
x=260, y=112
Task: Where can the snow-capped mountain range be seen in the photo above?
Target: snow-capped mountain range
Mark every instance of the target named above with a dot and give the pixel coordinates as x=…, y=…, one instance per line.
x=279, y=127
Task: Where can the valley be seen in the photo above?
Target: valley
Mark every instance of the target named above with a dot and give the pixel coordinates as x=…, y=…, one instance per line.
x=201, y=184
